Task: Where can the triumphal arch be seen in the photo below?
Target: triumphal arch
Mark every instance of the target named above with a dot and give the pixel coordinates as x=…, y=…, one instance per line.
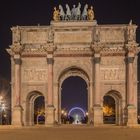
x=105, y=56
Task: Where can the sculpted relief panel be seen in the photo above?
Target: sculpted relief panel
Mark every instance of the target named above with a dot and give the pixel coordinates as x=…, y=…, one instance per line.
x=73, y=37
x=34, y=37
x=34, y=74
x=34, y=69
x=112, y=74
x=112, y=68
x=112, y=35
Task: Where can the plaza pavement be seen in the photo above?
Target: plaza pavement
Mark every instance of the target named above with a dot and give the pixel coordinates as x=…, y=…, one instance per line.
x=70, y=132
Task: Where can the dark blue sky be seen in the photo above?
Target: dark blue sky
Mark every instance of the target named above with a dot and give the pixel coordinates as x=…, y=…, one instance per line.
x=74, y=93
x=33, y=12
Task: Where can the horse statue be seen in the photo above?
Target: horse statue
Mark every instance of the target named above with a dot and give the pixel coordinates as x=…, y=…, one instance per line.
x=62, y=13
x=68, y=13
x=78, y=12
x=85, y=12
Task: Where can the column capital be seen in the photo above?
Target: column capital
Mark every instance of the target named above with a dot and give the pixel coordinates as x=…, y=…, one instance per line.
x=131, y=48
x=97, y=47
x=49, y=48
x=17, y=48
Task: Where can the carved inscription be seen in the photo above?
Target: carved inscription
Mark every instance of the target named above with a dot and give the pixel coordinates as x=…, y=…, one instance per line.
x=112, y=74
x=35, y=74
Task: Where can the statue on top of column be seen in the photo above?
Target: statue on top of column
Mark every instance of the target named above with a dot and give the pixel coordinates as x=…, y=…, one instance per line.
x=17, y=35
x=130, y=32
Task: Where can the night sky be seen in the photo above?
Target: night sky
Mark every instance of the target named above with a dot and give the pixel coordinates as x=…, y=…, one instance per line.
x=74, y=94
x=33, y=12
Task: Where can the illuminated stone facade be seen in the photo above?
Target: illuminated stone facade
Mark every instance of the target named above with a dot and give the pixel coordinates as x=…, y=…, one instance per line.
x=105, y=56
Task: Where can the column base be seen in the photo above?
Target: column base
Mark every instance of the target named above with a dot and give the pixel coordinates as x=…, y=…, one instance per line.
x=17, y=116
x=98, y=115
x=132, y=116
x=50, y=115
x=90, y=116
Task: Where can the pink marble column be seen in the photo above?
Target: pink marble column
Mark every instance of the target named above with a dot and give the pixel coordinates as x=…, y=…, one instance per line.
x=50, y=114
x=17, y=80
x=131, y=105
x=130, y=81
x=97, y=81
x=50, y=81
x=98, y=113
x=17, y=108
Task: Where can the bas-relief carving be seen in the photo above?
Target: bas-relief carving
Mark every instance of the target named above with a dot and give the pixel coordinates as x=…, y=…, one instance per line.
x=112, y=74
x=112, y=68
x=73, y=37
x=112, y=35
x=34, y=37
x=34, y=74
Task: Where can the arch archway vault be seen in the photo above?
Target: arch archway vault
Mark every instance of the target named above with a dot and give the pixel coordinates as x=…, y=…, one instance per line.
x=105, y=56
x=73, y=72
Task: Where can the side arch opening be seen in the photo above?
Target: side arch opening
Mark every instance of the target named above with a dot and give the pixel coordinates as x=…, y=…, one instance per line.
x=35, y=108
x=112, y=108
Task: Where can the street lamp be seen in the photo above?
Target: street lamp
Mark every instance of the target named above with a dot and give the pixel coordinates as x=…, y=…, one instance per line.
x=86, y=113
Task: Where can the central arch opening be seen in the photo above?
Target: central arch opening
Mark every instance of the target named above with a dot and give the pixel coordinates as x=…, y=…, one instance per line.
x=74, y=101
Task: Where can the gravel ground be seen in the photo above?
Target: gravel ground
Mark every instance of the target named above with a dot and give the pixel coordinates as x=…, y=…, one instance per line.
x=70, y=133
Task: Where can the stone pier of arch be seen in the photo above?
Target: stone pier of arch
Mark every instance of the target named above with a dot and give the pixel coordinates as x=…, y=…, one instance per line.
x=105, y=56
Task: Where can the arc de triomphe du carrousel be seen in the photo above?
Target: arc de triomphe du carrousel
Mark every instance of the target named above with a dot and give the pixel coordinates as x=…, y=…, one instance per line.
x=104, y=56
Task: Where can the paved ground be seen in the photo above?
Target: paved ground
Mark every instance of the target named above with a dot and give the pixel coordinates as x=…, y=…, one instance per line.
x=70, y=133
